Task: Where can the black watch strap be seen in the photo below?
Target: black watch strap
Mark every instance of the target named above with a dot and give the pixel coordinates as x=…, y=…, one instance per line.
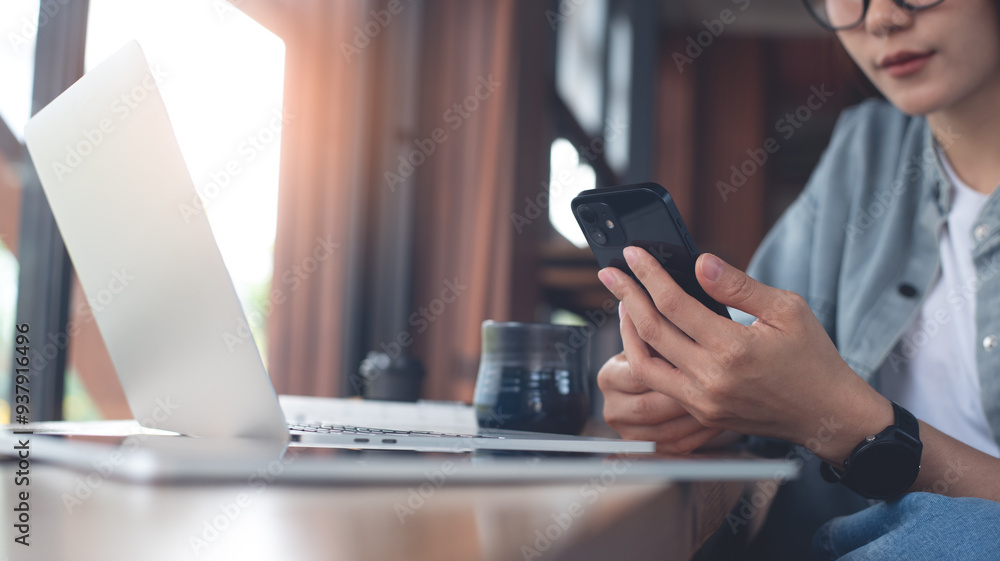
x=906, y=422
x=883, y=465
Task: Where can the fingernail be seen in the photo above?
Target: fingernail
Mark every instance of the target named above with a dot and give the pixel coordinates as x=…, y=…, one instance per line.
x=630, y=255
x=607, y=277
x=711, y=266
x=621, y=310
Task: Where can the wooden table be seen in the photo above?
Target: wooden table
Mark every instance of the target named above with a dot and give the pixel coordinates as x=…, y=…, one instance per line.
x=129, y=521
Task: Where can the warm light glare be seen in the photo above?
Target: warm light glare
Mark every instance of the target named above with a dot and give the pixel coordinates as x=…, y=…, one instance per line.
x=222, y=85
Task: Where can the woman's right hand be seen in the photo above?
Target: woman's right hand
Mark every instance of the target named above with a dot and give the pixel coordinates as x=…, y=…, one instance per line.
x=639, y=413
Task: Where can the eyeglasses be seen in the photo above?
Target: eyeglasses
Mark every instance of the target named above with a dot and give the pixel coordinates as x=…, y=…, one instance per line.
x=838, y=15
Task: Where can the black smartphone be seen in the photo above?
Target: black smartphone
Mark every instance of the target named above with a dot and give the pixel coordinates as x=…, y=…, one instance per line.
x=645, y=216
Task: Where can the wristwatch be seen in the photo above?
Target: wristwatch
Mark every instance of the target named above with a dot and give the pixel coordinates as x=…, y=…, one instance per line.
x=884, y=465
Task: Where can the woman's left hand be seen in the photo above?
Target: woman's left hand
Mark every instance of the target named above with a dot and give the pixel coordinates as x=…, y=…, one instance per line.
x=781, y=377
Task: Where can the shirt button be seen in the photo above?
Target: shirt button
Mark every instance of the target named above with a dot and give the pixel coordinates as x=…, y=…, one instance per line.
x=981, y=231
x=990, y=342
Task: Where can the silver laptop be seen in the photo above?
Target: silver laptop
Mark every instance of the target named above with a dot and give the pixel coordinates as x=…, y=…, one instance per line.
x=114, y=176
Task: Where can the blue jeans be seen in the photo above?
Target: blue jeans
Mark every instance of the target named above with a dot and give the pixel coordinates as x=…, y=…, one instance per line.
x=919, y=526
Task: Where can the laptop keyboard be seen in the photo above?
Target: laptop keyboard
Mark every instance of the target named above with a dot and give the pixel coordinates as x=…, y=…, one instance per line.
x=324, y=428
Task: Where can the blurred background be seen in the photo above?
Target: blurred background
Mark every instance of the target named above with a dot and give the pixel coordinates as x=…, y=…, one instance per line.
x=406, y=166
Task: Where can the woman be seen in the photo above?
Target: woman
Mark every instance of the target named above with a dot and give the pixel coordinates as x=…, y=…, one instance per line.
x=880, y=286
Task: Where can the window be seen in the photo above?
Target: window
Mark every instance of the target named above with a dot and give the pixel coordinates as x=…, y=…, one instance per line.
x=17, y=59
x=222, y=81
x=568, y=177
x=580, y=70
x=8, y=301
x=222, y=85
x=619, y=107
x=593, y=82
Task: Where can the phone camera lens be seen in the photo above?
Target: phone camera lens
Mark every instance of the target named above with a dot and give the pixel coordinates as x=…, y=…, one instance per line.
x=588, y=215
x=599, y=236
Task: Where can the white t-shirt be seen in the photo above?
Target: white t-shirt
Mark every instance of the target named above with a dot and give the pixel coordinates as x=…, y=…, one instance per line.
x=937, y=379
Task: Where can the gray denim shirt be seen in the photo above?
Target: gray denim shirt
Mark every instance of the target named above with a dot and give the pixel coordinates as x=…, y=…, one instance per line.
x=860, y=243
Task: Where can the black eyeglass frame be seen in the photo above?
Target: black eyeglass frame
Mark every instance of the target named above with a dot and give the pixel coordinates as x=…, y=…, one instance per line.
x=864, y=13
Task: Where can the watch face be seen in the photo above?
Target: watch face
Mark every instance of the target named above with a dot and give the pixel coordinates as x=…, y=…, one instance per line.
x=884, y=469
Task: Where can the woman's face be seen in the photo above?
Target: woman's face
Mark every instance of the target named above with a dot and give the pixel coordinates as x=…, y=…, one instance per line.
x=931, y=60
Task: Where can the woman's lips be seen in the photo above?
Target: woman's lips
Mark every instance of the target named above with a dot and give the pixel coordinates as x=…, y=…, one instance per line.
x=905, y=63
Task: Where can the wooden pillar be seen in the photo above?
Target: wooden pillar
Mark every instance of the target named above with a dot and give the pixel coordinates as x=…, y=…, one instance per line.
x=731, y=138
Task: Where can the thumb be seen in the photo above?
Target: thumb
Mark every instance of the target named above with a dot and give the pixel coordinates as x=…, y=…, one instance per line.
x=734, y=288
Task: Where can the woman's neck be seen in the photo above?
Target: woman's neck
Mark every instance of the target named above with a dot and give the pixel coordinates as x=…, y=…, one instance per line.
x=969, y=133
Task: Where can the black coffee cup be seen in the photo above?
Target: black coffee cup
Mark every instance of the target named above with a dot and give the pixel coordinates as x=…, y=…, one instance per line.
x=533, y=377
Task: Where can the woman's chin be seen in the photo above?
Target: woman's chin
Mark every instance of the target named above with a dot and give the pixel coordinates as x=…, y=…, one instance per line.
x=916, y=102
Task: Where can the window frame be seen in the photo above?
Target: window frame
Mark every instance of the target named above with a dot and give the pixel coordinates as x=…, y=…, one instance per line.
x=643, y=15
x=45, y=271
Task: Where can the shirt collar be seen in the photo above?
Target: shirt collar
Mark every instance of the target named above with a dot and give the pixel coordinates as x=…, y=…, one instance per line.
x=935, y=179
